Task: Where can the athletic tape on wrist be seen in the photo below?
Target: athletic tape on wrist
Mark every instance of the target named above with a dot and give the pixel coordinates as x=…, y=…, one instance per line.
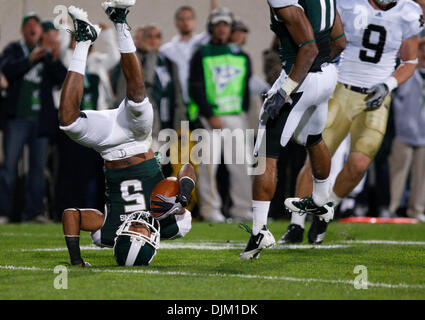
x=289, y=86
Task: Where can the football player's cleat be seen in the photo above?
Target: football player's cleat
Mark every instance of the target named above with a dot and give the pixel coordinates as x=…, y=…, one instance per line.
x=317, y=231
x=137, y=240
x=117, y=10
x=306, y=205
x=84, y=30
x=82, y=265
x=264, y=239
x=294, y=234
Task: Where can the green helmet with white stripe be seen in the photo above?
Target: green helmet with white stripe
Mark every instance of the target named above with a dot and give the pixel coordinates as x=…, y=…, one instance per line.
x=137, y=240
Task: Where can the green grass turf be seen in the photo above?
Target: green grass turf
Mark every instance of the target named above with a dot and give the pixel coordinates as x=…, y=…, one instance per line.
x=216, y=274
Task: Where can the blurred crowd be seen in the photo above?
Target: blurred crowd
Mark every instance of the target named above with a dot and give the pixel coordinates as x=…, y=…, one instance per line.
x=43, y=172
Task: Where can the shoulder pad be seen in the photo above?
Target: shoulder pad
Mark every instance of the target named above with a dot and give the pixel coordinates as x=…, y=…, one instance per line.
x=282, y=3
x=412, y=18
x=410, y=10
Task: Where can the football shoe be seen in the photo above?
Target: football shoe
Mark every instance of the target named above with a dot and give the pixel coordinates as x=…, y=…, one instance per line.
x=84, y=30
x=264, y=239
x=306, y=205
x=294, y=234
x=317, y=231
x=117, y=10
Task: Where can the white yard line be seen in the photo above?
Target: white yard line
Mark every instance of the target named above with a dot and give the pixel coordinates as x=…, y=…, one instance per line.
x=221, y=275
x=202, y=246
x=391, y=242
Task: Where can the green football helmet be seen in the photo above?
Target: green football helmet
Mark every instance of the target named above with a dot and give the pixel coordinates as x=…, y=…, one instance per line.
x=133, y=248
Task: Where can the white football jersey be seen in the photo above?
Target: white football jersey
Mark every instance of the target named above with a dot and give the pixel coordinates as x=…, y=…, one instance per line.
x=374, y=38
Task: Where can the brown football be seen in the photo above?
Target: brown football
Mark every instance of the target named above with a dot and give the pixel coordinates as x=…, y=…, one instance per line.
x=169, y=187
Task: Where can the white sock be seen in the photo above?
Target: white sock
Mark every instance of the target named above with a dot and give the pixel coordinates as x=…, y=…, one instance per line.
x=125, y=40
x=320, y=191
x=334, y=199
x=79, y=58
x=260, y=212
x=297, y=219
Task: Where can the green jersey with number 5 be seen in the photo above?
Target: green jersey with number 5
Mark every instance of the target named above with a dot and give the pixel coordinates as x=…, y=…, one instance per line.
x=321, y=14
x=127, y=190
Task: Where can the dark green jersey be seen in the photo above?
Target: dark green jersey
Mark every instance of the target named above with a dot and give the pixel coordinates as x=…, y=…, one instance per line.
x=321, y=14
x=128, y=190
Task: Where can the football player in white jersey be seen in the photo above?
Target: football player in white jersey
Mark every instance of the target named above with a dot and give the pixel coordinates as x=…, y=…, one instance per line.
x=123, y=138
x=377, y=32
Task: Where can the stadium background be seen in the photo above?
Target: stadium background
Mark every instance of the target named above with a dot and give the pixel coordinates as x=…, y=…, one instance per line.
x=160, y=12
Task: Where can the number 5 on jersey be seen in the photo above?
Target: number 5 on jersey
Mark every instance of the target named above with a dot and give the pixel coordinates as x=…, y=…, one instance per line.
x=137, y=196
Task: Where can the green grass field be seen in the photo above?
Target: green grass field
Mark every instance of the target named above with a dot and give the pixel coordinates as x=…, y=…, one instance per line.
x=205, y=265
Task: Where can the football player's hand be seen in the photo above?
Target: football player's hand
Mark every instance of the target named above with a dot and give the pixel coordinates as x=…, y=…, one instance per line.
x=182, y=199
x=167, y=206
x=274, y=104
x=376, y=96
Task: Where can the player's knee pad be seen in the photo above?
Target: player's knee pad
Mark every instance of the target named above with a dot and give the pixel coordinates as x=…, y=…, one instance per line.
x=312, y=140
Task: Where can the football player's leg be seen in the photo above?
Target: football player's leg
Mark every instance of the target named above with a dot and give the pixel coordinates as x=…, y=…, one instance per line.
x=367, y=132
x=75, y=220
x=85, y=34
x=117, y=11
x=263, y=189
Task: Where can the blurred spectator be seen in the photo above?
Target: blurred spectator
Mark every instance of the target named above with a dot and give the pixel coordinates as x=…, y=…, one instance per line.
x=4, y=84
x=218, y=84
x=408, y=147
x=182, y=47
x=239, y=32
x=160, y=76
x=31, y=67
x=257, y=86
x=272, y=66
x=167, y=89
x=80, y=179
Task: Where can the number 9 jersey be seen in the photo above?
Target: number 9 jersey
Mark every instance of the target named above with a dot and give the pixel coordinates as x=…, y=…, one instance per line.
x=374, y=38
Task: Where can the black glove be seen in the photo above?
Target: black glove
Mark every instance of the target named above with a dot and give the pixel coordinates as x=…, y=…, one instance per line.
x=186, y=186
x=376, y=96
x=167, y=206
x=274, y=104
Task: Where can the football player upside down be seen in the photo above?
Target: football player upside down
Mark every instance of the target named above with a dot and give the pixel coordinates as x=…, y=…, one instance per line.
x=123, y=138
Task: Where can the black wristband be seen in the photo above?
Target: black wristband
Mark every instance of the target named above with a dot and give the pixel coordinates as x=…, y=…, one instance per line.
x=186, y=186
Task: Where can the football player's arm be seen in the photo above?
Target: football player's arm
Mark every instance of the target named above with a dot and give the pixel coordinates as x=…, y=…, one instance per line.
x=187, y=181
x=302, y=34
x=408, y=55
x=338, y=40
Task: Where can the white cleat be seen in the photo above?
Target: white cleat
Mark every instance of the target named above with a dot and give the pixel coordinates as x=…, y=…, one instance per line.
x=84, y=30
x=263, y=240
x=302, y=206
x=121, y=4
